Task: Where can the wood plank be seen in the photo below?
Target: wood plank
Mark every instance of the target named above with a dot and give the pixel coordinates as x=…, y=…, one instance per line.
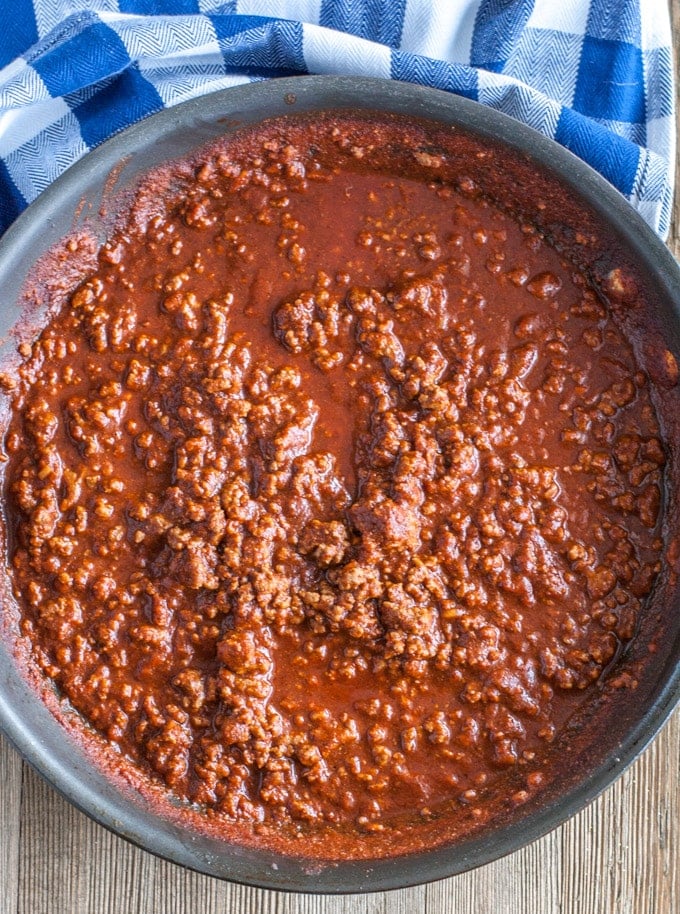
x=527, y=881
x=10, y=811
x=620, y=854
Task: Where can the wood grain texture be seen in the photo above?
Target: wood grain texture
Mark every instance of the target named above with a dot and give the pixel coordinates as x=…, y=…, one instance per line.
x=619, y=856
x=10, y=818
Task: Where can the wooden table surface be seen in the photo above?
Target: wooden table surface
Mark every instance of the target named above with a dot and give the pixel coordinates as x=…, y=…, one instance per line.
x=621, y=855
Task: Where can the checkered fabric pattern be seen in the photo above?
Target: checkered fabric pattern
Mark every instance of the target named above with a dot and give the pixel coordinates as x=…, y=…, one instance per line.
x=595, y=75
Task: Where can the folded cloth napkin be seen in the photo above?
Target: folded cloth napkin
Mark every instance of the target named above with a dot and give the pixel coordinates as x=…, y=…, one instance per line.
x=595, y=75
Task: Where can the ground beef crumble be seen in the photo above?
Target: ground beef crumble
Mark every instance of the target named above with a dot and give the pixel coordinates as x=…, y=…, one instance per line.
x=332, y=491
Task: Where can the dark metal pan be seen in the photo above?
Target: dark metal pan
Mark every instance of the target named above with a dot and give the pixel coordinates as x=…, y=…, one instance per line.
x=602, y=748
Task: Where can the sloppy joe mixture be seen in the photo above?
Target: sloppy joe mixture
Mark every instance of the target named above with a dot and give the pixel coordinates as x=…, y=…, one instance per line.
x=333, y=489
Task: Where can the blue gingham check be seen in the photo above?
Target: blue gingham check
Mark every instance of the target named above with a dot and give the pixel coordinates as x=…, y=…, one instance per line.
x=595, y=75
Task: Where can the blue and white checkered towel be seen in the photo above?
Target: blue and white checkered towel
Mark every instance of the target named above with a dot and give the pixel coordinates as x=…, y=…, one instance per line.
x=596, y=75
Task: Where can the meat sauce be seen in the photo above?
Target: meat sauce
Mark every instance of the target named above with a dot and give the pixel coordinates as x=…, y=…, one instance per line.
x=334, y=489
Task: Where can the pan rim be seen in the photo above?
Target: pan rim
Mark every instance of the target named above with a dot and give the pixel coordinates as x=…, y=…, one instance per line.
x=292, y=95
